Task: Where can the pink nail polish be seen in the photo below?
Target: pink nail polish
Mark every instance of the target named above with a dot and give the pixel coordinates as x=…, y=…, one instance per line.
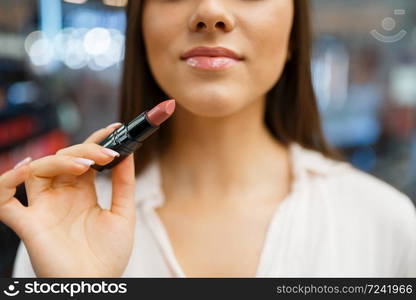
x=114, y=125
x=23, y=162
x=84, y=161
x=110, y=152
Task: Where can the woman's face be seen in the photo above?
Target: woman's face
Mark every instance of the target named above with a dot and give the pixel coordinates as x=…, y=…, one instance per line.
x=258, y=30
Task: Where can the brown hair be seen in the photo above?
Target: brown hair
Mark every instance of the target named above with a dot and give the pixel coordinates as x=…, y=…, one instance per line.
x=291, y=110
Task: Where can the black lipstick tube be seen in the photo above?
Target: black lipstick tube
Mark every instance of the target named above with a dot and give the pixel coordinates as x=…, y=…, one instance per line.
x=127, y=139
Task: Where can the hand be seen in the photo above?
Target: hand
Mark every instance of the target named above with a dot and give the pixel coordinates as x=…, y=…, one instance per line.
x=66, y=232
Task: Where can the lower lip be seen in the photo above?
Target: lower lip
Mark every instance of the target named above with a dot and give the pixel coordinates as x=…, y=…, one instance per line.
x=211, y=63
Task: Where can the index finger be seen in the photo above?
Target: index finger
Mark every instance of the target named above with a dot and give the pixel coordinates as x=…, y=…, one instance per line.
x=100, y=134
x=12, y=178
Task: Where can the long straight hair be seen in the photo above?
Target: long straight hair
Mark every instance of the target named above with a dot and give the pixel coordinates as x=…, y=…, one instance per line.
x=291, y=112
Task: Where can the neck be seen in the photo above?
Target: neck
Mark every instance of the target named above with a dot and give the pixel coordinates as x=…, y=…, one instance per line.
x=222, y=156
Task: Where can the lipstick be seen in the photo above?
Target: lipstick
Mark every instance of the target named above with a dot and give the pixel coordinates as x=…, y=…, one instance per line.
x=128, y=138
x=211, y=63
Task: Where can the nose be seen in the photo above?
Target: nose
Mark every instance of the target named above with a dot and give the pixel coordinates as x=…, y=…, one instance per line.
x=210, y=16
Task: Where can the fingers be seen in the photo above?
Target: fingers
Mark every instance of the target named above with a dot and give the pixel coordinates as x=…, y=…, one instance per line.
x=99, y=154
x=63, y=169
x=100, y=134
x=123, y=178
x=70, y=164
x=12, y=212
x=50, y=166
x=44, y=170
x=123, y=189
x=89, y=177
x=12, y=178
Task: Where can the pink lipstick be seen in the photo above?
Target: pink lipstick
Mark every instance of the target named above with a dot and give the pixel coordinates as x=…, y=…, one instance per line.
x=128, y=138
x=211, y=63
x=160, y=113
x=211, y=58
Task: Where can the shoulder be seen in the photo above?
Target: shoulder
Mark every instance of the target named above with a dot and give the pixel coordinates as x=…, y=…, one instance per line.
x=371, y=195
x=352, y=191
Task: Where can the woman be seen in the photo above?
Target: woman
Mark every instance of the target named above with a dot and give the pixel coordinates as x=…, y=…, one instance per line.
x=240, y=182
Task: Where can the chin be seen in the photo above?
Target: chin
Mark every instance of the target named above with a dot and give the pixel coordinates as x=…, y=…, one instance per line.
x=214, y=107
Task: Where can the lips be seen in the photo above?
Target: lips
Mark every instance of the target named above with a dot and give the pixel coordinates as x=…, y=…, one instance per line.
x=212, y=52
x=211, y=63
x=209, y=58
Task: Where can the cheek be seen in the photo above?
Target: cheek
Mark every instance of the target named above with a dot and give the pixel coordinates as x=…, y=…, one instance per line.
x=270, y=36
x=159, y=36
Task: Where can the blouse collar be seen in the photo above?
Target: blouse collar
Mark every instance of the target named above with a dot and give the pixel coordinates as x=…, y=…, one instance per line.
x=304, y=162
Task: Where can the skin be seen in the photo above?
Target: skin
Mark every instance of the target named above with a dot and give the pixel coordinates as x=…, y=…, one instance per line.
x=66, y=233
x=232, y=172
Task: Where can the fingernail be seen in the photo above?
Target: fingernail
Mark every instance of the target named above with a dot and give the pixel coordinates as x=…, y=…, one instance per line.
x=114, y=125
x=110, y=152
x=23, y=162
x=84, y=161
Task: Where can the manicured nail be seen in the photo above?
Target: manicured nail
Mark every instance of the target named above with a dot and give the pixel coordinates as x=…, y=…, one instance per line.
x=110, y=152
x=23, y=162
x=84, y=161
x=114, y=125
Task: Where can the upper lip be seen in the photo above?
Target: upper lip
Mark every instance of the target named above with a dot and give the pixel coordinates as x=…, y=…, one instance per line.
x=211, y=51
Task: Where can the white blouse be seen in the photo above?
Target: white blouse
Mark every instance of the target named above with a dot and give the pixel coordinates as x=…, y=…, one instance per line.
x=337, y=221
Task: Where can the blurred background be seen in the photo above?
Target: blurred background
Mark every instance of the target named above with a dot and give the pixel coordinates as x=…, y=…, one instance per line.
x=61, y=61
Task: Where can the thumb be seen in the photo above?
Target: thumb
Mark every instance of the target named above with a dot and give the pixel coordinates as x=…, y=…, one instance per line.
x=89, y=176
x=12, y=212
x=123, y=189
